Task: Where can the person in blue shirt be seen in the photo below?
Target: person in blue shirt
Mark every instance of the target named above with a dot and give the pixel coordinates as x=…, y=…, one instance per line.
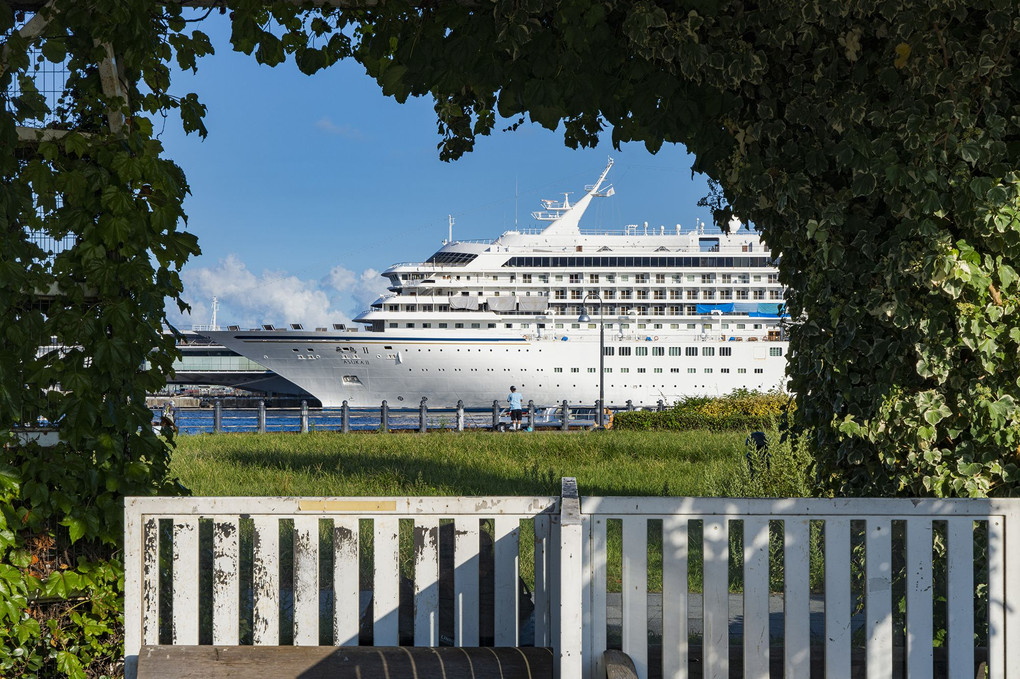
x=516, y=407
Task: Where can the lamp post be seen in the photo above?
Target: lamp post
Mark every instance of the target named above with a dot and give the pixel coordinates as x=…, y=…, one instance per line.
x=585, y=318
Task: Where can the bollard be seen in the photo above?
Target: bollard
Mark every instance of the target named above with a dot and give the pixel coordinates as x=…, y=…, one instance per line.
x=495, y=415
x=384, y=418
x=531, y=415
x=345, y=418
x=460, y=415
x=218, y=417
x=662, y=405
x=630, y=405
x=423, y=426
x=262, y=417
x=304, y=417
x=565, y=424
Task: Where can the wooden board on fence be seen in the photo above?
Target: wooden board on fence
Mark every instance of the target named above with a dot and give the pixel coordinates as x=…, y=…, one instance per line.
x=355, y=662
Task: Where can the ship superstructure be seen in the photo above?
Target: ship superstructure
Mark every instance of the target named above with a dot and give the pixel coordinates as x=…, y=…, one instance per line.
x=684, y=313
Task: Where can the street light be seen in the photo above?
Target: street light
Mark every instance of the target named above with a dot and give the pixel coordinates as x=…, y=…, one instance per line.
x=585, y=318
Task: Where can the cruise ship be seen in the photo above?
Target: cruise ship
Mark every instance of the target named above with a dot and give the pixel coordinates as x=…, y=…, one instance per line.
x=671, y=313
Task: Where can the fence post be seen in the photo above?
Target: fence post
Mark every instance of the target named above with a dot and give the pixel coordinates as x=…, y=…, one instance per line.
x=495, y=415
x=565, y=423
x=460, y=415
x=423, y=426
x=567, y=643
x=531, y=415
x=345, y=418
x=304, y=417
x=630, y=405
x=384, y=418
x=262, y=417
x=217, y=417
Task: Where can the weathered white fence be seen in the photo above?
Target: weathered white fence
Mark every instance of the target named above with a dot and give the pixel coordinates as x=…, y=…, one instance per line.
x=844, y=567
x=874, y=552
x=170, y=541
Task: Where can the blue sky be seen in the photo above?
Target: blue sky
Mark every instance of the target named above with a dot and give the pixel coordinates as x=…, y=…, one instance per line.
x=308, y=186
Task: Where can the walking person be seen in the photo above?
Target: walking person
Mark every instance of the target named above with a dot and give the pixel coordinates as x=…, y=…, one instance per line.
x=516, y=408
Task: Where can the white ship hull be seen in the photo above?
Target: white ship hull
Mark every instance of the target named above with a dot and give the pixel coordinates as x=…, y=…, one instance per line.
x=364, y=370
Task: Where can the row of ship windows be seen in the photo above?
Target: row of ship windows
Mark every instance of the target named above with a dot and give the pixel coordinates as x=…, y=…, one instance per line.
x=576, y=326
x=707, y=371
x=644, y=351
x=673, y=293
x=659, y=278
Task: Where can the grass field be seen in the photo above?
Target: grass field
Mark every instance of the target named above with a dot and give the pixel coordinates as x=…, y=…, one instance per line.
x=696, y=463
x=468, y=463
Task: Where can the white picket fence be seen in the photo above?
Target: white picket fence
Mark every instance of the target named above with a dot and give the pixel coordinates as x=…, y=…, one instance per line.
x=339, y=543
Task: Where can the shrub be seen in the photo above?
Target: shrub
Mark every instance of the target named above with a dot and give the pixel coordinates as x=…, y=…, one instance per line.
x=742, y=409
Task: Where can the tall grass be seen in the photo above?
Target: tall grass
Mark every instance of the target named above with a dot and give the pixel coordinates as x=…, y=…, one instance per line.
x=639, y=463
x=458, y=464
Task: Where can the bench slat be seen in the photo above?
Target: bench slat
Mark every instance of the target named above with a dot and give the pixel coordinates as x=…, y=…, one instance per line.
x=346, y=585
x=185, y=580
x=756, y=597
x=322, y=662
x=635, y=591
x=919, y=598
x=675, y=550
x=266, y=581
x=878, y=595
x=386, y=588
x=426, y=582
x=838, y=602
x=507, y=571
x=226, y=582
x=465, y=581
x=796, y=611
x=306, y=581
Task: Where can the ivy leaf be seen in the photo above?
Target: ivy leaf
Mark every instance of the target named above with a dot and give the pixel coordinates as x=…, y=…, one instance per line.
x=76, y=527
x=1007, y=275
x=62, y=584
x=70, y=665
x=54, y=50
x=864, y=184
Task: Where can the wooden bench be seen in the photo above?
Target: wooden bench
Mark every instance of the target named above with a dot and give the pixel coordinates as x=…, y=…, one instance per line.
x=346, y=662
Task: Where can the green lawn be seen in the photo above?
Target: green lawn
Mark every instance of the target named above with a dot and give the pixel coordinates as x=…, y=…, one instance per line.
x=468, y=463
x=696, y=463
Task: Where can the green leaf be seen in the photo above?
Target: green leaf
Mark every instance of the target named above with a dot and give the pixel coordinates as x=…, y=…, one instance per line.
x=20, y=558
x=970, y=152
x=70, y=665
x=76, y=527
x=1007, y=275
x=54, y=50
x=864, y=184
x=62, y=584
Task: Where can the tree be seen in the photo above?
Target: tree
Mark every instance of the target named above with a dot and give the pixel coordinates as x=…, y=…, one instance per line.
x=875, y=144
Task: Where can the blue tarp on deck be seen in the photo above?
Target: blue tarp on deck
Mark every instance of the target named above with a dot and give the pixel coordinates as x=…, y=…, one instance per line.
x=709, y=308
x=766, y=310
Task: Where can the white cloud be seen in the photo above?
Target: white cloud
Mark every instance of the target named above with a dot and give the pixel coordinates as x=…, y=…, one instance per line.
x=249, y=300
x=346, y=131
x=362, y=289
